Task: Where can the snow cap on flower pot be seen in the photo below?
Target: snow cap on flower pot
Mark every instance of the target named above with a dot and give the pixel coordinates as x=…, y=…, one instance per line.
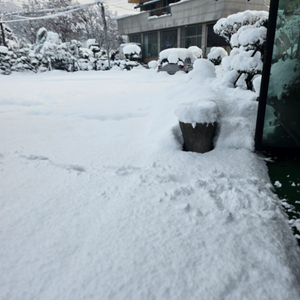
x=198, y=122
x=205, y=111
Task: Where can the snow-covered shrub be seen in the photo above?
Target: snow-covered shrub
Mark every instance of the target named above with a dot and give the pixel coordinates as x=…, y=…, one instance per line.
x=226, y=27
x=5, y=58
x=132, y=52
x=125, y=64
x=10, y=39
x=216, y=55
x=93, y=46
x=25, y=60
x=246, y=32
x=46, y=47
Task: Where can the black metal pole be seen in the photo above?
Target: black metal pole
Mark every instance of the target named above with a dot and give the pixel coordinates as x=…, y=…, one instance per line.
x=3, y=34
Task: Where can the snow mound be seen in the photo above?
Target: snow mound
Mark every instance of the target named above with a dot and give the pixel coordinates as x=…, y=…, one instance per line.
x=152, y=64
x=203, y=70
x=236, y=133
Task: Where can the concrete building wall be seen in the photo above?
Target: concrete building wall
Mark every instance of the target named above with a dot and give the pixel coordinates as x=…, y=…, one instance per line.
x=186, y=13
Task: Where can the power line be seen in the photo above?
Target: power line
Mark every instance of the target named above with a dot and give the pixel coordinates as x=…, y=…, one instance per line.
x=64, y=11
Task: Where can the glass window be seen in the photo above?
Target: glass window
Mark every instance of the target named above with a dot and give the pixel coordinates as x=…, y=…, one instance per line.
x=214, y=40
x=183, y=32
x=191, y=36
x=190, y=31
x=199, y=30
x=281, y=126
x=136, y=38
x=168, y=39
x=150, y=46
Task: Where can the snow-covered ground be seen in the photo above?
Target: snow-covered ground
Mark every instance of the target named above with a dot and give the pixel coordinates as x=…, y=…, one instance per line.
x=98, y=201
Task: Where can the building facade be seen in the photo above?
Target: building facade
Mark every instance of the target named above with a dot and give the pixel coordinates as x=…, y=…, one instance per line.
x=165, y=24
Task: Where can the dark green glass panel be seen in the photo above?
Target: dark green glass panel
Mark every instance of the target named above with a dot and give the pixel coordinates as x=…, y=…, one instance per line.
x=183, y=31
x=136, y=38
x=150, y=45
x=282, y=118
x=190, y=31
x=168, y=39
x=199, y=30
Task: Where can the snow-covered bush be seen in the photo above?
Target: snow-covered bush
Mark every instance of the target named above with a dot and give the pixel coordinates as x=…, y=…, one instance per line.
x=5, y=58
x=226, y=27
x=132, y=52
x=126, y=64
x=216, y=55
x=49, y=53
x=246, y=32
x=11, y=40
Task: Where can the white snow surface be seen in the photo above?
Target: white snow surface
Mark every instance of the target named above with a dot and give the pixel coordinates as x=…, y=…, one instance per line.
x=98, y=201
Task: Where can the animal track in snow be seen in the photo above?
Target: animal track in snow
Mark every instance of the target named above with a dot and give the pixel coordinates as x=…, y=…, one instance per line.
x=126, y=170
x=68, y=167
x=36, y=157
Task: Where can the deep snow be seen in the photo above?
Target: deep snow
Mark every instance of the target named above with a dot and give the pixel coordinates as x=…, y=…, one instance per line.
x=99, y=202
